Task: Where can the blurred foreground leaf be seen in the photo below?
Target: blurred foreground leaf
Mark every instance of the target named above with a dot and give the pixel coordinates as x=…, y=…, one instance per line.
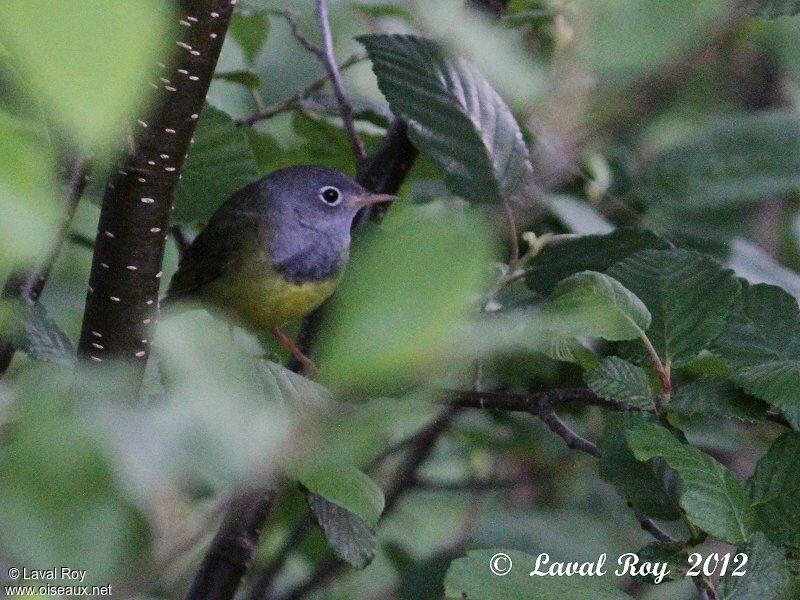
x=28, y=201
x=406, y=290
x=89, y=60
x=766, y=574
x=774, y=8
x=33, y=332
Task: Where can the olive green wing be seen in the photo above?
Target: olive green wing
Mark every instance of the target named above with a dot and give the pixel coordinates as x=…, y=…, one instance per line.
x=215, y=252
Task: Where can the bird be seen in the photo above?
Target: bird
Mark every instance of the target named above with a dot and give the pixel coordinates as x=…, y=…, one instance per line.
x=274, y=251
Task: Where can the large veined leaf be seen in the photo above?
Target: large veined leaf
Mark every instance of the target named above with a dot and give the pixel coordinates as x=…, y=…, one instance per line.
x=688, y=295
x=713, y=498
x=716, y=396
x=652, y=488
x=591, y=304
x=88, y=60
x=766, y=573
x=761, y=345
x=454, y=116
x=347, y=504
x=471, y=578
x=775, y=490
x=617, y=379
x=774, y=8
x=741, y=158
x=586, y=253
x=219, y=163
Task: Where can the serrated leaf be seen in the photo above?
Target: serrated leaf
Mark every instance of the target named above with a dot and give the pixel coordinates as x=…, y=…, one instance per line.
x=470, y=578
x=219, y=163
x=739, y=159
x=250, y=28
x=586, y=253
x=716, y=396
x=713, y=498
x=347, y=504
x=766, y=574
x=775, y=490
x=688, y=295
x=652, y=488
x=454, y=116
x=774, y=8
x=617, y=379
x=32, y=331
x=591, y=304
x=760, y=343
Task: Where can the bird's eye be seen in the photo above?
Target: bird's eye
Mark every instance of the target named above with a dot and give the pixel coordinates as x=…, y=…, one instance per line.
x=330, y=195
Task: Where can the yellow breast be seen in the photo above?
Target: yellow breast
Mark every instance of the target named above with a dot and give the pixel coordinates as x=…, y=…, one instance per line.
x=258, y=298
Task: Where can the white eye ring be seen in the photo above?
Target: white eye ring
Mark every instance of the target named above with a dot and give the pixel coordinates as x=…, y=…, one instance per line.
x=330, y=195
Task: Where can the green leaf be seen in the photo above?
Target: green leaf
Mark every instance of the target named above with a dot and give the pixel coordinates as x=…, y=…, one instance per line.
x=716, y=396
x=761, y=345
x=88, y=60
x=673, y=554
x=586, y=253
x=713, y=498
x=250, y=28
x=621, y=38
x=470, y=578
x=774, y=8
x=454, y=116
x=406, y=289
x=591, y=304
x=347, y=504
x=766, y=574
x=741, y=158
x=688, y=295
x=36, y=334
x=652, y=488
x=28, y=207
x=617, y=379
x=283, y=385
x=220, y=162
x=775, y=490
x=248, y=79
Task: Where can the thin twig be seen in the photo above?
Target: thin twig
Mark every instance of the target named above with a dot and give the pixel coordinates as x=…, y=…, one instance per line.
x=28, y=286
x=297, y=32
x=263, y=584
x=295, y=99
x=329, y=60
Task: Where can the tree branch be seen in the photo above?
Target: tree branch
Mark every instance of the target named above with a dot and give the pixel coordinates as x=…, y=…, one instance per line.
x=122, y=297
x=232, y=549
x=28, y=286
x=329, y=60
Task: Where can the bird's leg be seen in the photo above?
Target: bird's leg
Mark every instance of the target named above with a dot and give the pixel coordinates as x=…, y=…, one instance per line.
x=284, y=340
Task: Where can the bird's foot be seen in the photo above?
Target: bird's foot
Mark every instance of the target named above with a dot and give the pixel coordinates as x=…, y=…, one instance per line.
x=309, y=368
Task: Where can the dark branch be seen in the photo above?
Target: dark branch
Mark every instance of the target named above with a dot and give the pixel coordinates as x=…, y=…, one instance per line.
x=232, y=549
x=532, y=403
x=122, y=297
x=28, y=286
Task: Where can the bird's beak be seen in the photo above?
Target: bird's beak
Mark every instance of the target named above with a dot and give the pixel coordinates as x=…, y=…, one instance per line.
x=369, y=199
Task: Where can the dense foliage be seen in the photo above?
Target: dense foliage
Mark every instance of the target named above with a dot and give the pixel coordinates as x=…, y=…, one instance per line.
x=575, y=333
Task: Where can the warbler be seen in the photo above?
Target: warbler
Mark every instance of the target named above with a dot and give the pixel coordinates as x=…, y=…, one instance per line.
x=274, y=251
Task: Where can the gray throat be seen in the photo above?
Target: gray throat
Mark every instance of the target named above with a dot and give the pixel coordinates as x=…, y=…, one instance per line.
x=306, y=255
